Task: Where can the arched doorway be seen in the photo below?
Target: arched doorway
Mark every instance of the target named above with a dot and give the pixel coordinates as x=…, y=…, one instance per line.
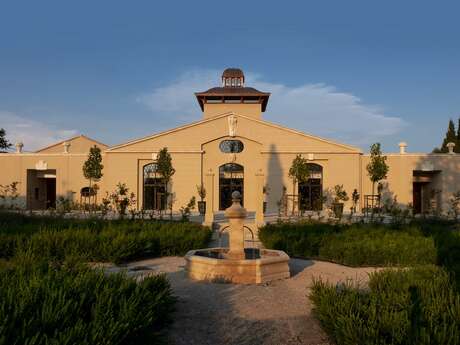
x=311, y=191
x=231, y=178
x=154, y=189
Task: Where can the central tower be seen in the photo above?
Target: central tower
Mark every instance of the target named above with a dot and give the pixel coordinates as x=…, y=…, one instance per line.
x=233, y=96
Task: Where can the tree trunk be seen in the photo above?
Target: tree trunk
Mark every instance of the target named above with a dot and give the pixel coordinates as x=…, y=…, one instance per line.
x=90, y=192
x=373, y=199
x=167, y=201
x=293, y=196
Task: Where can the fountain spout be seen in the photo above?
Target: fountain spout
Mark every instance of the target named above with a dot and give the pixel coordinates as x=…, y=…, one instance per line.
x=236, y=215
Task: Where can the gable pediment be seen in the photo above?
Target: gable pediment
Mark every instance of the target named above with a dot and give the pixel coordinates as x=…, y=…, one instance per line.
x=191, y=137
x=78, y=144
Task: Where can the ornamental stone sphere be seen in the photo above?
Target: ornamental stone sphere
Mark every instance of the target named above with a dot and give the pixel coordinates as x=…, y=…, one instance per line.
x=236, y=196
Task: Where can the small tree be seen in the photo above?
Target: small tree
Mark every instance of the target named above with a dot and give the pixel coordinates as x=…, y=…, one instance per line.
x=4, y=143
x=377, y=168
x=299, y=173
x=165, y=168
x=92, y=168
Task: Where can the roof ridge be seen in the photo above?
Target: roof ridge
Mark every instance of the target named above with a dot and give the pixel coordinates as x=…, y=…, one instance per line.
x=70, y=139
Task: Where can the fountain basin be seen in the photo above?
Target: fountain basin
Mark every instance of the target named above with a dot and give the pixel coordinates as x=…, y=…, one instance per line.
x=260, y=266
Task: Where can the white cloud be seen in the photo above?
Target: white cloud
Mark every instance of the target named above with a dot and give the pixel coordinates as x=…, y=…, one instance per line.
x=32, y=133
x=177, y=98
x=317, y=109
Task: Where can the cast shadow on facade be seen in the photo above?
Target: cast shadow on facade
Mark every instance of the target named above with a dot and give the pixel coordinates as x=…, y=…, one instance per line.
x=427, y=186
x=274, y=183
x=434, y=181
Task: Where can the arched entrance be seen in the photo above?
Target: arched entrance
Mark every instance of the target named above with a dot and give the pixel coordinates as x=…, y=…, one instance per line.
x=154, y=189
x=311, y=192
x=231, y=178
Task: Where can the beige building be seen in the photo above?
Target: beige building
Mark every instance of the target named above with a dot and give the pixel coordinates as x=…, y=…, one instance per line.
x=231, y=148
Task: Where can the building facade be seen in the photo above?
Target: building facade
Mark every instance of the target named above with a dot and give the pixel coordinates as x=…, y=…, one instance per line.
x=231, y=148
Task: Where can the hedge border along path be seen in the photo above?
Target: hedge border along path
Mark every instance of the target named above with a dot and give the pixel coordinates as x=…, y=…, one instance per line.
x=356, y=245
x=401, y=307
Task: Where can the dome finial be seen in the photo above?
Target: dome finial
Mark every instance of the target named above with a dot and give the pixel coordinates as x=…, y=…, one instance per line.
x=233, y=77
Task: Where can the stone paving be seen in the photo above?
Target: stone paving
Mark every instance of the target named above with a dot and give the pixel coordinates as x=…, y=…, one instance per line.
x=278, y=313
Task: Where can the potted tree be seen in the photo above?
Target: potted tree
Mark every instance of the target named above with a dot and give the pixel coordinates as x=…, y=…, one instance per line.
x=340, y=196
x=202, y=194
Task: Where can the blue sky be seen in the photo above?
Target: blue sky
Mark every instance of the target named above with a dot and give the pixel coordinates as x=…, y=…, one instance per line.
x=353, y=71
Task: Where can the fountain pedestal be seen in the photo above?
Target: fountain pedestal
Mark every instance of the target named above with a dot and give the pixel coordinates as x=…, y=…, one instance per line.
x=236, y=215
x=230, y=264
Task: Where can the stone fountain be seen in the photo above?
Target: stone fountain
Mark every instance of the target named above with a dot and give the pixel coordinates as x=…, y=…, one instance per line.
x=237, y=264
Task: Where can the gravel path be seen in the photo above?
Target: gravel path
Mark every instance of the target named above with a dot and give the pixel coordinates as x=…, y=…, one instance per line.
x=278, y=313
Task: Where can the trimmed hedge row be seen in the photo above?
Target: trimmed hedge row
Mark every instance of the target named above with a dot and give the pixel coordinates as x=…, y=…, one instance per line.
x=355, y=245
x=416, y=306
x=104, y=240
x=16, y=223
x=378, y=247
x=43, y=304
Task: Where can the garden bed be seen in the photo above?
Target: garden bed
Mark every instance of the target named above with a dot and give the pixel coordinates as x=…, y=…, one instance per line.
x=49, y=295
x=97, y=240
x=416, y=305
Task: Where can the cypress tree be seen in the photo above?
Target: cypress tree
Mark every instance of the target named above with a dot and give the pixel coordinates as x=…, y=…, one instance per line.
x=451, y=137
x=458, y=131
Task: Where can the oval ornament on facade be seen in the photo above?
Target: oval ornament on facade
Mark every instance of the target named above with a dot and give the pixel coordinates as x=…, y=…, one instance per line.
x=231, y=146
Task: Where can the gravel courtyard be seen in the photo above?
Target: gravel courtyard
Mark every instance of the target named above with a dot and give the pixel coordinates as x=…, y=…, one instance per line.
x=278, y=313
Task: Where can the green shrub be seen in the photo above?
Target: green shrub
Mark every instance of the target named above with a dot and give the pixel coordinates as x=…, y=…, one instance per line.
x=378, y=247
x=417, y=306
x=49, y=296
x=357, y=245
x=48, y=304
x=117, y=242
x=15, y=223
x=297, y=239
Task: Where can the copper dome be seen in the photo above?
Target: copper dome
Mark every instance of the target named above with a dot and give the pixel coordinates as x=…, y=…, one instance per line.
x=233, y=73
